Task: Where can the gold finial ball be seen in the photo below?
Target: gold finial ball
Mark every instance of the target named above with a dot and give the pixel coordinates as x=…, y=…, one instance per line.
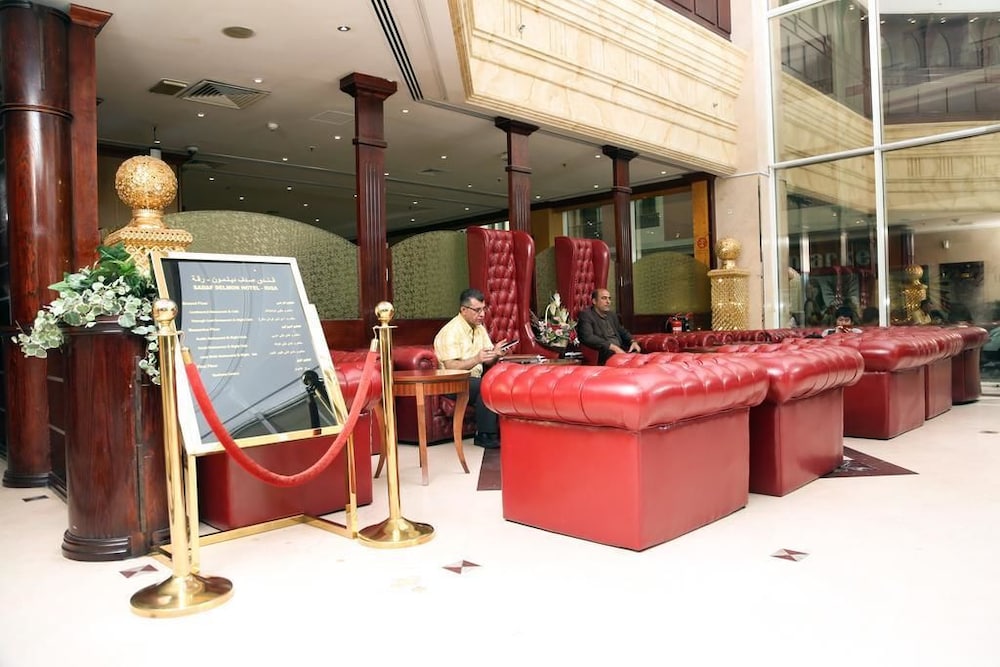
x=384, y=311
x=164, y=311
x=914, y=272
x=728, y=249
x=144, y=181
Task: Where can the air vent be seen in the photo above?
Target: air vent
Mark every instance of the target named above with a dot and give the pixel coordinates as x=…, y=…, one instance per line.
x=168, y=87
x=333, y=117
x=222, y=94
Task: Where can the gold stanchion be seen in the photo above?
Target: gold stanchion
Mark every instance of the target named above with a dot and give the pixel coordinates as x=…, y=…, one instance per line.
x=395, y=531
x=184, y=592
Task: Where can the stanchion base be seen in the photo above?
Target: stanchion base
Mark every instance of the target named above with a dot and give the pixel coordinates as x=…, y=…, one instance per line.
x=393, y=533
x=179, y=596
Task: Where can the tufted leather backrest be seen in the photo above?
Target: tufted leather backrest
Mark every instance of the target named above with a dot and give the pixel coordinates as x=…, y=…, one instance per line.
x=502, y=265
x=581, y=267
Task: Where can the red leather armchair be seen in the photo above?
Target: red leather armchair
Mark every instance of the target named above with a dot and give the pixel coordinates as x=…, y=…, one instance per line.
x=581, y=267
x=439, y=409
x=502, y=266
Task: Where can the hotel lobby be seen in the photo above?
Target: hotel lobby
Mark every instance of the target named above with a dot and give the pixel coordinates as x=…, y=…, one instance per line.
x=854, y=161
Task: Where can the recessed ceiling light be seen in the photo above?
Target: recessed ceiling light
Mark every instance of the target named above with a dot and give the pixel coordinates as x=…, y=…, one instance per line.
x=238, y=32
x=598, y=156
x=316, y=220
x=385, y=173
x=466, y=208
x=538, y=196
x=596, y=186
x=305, y=204
x=337, y=137
x=469, y=185
x=288, y=187
x=415, y=203
x=413, y=219
x=663, y=172
x=258, y=80
x=211, y=178
x=444, y=157
x=406, y=111
x=343, y=28
x=242, y=197
x=284, y=159
x=201, y=114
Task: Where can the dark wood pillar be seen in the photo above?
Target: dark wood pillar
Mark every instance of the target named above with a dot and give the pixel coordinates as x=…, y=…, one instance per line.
x=36, y=137
x=369, y=93
x=518, y=173
x=86, y=24
x=621, y=198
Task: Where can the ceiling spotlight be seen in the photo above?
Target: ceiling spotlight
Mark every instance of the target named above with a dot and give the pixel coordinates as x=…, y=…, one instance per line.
x=343, y=28
x=201, y=114
x=271, y=125
x=288, y=187
x=406, y=111
x=258, y=80
x=444, y=157
x=337, y=137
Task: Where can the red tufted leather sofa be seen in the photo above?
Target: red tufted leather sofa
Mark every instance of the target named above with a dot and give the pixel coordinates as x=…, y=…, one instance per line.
x=229, y=497
x=965, y=378
x=629, y=457
x=797, y=432
x=581, y=267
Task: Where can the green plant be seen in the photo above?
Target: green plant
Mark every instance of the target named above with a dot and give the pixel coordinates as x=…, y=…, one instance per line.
x=113, y=286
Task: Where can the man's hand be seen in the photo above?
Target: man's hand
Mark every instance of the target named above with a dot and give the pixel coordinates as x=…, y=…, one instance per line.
x=614, y=348
x=488, y=356
x=634, y=347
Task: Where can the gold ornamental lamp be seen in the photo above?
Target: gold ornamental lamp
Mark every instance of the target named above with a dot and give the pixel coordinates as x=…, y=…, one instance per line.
x=914, y=291
x=730, y=289
x=147, y=185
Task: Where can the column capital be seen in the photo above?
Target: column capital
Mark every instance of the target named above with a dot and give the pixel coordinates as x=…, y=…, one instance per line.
x=616, y=153
x=514, y=126
x=355, y=84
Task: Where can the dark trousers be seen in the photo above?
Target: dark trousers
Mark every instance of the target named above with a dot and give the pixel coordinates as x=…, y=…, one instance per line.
x=486, y=419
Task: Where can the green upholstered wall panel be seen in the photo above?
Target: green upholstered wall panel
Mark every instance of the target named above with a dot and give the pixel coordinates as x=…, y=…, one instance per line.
x=327, y=262
x=670, y=282
x=545, y=277
x=429, y=271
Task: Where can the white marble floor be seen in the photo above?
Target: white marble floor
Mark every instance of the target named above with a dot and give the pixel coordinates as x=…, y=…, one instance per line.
x=900, y=570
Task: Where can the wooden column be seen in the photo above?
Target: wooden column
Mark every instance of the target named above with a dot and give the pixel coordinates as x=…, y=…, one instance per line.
x=369, y=94
x=36, y=136
x=86, y=24
x=621, y=198
x=518, y=173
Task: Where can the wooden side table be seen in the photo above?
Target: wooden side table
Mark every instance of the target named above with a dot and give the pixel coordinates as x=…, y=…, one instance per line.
x=421, y=384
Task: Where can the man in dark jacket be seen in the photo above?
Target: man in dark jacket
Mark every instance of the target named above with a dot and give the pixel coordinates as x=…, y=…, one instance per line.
x=598, y=328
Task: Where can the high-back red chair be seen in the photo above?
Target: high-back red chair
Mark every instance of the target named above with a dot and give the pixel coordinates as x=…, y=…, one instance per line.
x=581, y=267
x=502, y=266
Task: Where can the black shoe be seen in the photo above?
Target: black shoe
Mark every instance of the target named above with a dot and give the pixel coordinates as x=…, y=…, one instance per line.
x=487, y=440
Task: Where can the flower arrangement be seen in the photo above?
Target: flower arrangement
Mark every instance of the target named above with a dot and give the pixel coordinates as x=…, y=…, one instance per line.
x=555, y=328
x=112, y=286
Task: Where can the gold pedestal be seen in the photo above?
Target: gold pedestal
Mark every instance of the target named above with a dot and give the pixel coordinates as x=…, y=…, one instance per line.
x=179, y=596
x=730, y=289
x=396, y=532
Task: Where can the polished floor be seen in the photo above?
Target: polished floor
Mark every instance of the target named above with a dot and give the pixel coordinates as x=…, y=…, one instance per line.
x=885, y=570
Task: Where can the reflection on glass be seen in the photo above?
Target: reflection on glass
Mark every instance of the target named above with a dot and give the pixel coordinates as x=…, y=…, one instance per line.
x=936, y=71
x=827, y=230
x=821, y=71
x=944, y=232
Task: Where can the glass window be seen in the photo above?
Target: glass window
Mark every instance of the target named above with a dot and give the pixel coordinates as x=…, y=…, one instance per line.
x=826, y=223
x=821, y=74
x=943, y=212
x=936, y=71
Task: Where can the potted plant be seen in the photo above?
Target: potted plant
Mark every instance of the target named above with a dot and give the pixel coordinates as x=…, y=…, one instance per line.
x=555, y=329
x=112, y=287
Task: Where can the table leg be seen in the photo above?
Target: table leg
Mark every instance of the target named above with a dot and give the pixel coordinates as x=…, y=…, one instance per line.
x=422, y=435
x=457, y=421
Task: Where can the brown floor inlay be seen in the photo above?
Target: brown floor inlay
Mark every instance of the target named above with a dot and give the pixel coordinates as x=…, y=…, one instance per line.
x=859, y=464
x=489, y=471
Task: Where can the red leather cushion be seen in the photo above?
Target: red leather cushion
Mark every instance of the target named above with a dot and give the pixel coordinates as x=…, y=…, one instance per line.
x=634, y=397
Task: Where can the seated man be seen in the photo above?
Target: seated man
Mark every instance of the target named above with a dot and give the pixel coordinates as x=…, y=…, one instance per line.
x=598, y=327
x=464, y=344
x=845, y=322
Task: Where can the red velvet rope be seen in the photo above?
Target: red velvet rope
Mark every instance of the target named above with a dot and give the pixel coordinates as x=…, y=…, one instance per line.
x=254, y=468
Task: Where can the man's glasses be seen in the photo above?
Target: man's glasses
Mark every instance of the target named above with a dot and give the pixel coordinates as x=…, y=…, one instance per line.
x=477, y=311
